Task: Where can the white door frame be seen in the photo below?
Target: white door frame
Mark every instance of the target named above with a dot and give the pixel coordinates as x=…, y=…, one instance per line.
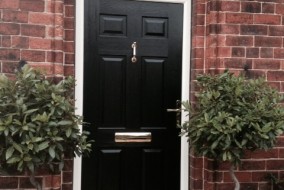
x=79, y=68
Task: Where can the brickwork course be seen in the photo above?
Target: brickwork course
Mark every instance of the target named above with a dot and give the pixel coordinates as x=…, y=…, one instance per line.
x=234, y=34
x=238, y=34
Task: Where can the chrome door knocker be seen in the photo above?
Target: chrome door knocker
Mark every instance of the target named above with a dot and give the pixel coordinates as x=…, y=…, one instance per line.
x=134, y=46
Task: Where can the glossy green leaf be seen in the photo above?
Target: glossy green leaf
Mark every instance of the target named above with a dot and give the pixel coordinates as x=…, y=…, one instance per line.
x=9, y=152
x=43, y=145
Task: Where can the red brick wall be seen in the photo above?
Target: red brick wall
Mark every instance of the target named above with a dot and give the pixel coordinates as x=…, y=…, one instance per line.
x=42, y=33
x=235, y=34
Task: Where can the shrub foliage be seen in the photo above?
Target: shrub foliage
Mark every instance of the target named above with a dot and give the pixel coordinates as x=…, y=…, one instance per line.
x=232, y=115
x=37, y=122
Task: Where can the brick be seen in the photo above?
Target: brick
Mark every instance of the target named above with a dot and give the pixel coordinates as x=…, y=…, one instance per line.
x=199, y=31
x=262, y=176
x=238, y=52
x=224, y=52
x=275, y=164
x=200, y=20
x=58, y=44
x=253, y=165
x=32, y=5
x=55, y=57
x=213, y=6
x=239, y=41
x=198, y=52
x=9, y=29
x=41, y=18
x=266, y=52
x=214, y=40
x=225, y=186
x=249, y=186
x=239, y=18
x=56, y=32
x=208, y=175
x=9, y=4
x=15, y=16
x=39, y=43
x=279, y=53
x=261, y=41
x=223, y=29
x=280, y=8
x=67, y=177
x=216, y=17
x=53, y=181
x=34, y=56
x=33, y=30
x=196, y=63
x=243, y=176
x=67, y=187
x=197, y=173
x=236, y=63
x=58, y=20
x=267, y=19
x=6, y=41
x=199, y=8
x=9, y=67
x=251, y=7
x=45, y=68
x=280, y=142
x=266, y=64
x=275, y=85
x=9, y=182
x=69, y=23
x=69, y=47
x=230, y=6
x=20, y=42
x=68, y=165
x=69, y=2
x=69, y=70
x=276, y=30
x=196, y=42
x=253, y=29
x=9, y=54
x=209, y=186
x=275, y=75
x=252, y=52
x=54, y=7
x=255, y=74
x=69, y=58
x=197, y=184
x=69, y=11
x=268, y=8
x=25, y=182
x=260, y=154
x=281, y=150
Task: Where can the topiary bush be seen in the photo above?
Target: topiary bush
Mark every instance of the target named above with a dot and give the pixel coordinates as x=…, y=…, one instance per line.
x=231, y=115
x=38, y=126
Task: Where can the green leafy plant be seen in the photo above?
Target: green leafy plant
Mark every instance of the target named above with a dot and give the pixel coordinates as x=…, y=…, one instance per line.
x=231, y=115
x=38, y=126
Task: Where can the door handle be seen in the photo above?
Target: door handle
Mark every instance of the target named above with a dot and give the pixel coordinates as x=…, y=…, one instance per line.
x=134, y=47
x=177, y=111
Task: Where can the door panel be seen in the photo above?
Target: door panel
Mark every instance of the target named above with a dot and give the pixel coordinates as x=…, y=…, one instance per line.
x=121, y=96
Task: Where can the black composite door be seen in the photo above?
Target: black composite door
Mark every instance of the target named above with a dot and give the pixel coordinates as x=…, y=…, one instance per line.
x=122, y=95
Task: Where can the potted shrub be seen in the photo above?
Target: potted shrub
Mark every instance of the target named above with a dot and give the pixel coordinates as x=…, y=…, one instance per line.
x=38, y=126
x=231, y=115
